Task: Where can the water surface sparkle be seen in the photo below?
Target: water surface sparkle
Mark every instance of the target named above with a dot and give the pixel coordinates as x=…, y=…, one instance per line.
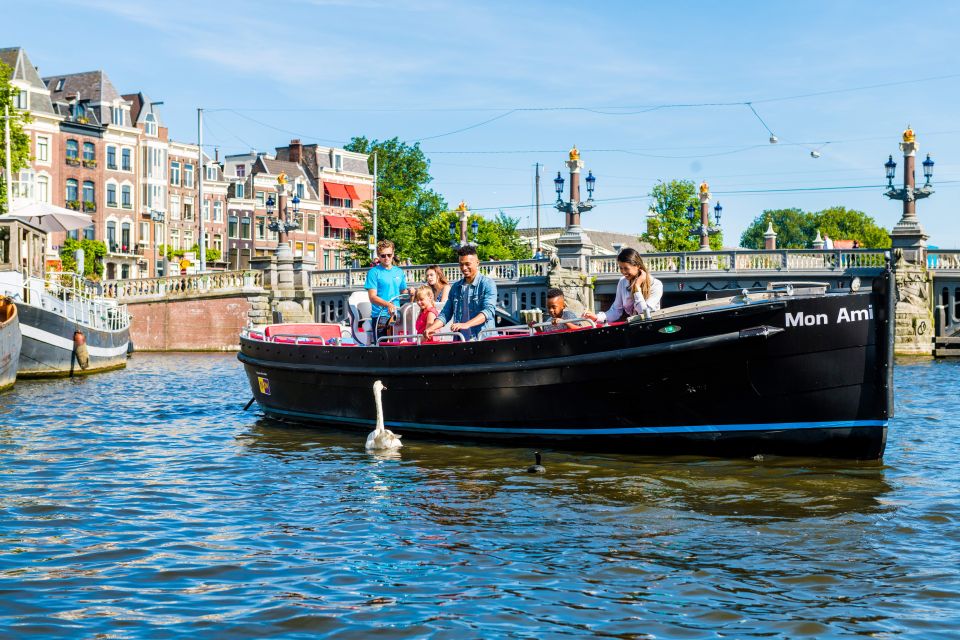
x=145, y=503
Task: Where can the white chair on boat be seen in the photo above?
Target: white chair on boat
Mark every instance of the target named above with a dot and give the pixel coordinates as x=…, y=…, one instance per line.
x=361, y=326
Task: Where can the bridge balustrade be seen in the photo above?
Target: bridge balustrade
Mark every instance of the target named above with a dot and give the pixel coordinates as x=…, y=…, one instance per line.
x=749, y=261
x=183, y=285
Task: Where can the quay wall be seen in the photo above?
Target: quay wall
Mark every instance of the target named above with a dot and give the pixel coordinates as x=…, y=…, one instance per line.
x=199, y=323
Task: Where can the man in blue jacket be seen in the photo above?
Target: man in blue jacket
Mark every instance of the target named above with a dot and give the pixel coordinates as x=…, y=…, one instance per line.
x=472, y=302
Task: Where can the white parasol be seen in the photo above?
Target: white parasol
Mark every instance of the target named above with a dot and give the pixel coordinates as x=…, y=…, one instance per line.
x=48, y=217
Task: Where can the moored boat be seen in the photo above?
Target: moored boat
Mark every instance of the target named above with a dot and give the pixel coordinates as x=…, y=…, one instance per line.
x=9, y=343
x=67, y=329
x=792, y=371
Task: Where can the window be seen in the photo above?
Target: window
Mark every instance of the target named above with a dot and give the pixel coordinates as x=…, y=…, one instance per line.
x=126, y=237
x=89, y=152
x=150, y=125
x=218, y=211
x=111, y=195
x=125, y=163
x=23, y=185
x=241, y=170
x=22, y=100
x=212, y=172
x=300, y=190
x=89, y=195
x=72, y=190
x=111, y=157
x=312, y=250
x=261, y=199
x=112, y=236
x=73, y=150
x=117, y=114
x=126, y=196
x=175, y=173
x=144, y=232
x=188, y=208
x=331, y=232
x=90, y=233
x=60, y=84
x=43, y=149
x=157, y=232
x=298, y=249
x=174, y=207
x=43, y=188
x=232, y=226
x=326, y=259
x=238, y=191
x=218, y=243
x=188, y=239
x=338, y=162
x=175, y=239
x=311, y=223
x=261, y=228
x=188, y=175
x=125, y=272
x=206, y=211
x=245, y=228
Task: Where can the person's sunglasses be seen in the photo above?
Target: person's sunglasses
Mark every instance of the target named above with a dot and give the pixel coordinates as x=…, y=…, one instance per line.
x=386, y=255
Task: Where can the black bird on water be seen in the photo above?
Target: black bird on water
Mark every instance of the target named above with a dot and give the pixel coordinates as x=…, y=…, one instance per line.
x=536, y=468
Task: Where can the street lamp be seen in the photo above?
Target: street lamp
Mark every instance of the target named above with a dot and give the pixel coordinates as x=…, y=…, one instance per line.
x=464, y=215
x=574, y=207
x=475, y=228
x=591, y=185
x=558, y=183
x=282, y=224
x=704, y=230
x=908, y=234
x=717, y=210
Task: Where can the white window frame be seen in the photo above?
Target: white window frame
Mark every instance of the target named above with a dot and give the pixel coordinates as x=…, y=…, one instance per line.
x=43, y=149
x=106, y=193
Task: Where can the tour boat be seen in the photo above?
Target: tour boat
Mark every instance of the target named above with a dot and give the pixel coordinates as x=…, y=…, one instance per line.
x=9, y=343
x=67, y=329
x=793, y=370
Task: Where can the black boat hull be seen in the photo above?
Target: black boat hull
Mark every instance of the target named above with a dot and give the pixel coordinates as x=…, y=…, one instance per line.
x=48, y=350
x=795, y=376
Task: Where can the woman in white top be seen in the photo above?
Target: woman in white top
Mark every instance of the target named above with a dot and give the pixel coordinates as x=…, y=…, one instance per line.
x=637, y=290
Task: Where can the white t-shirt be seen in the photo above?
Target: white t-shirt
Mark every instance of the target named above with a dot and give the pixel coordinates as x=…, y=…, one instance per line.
x=631, y=303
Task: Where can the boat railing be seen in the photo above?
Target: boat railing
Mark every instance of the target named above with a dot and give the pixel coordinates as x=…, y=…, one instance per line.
x=417, y=338
x=503, y=270
x=516, y=331
x=550, y=323
x=70, y=296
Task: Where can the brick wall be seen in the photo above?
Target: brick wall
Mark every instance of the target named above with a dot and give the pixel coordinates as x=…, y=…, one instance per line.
x=195, y=324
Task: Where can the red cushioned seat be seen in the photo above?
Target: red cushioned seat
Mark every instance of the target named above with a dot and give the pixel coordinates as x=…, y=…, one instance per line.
x=321, y=331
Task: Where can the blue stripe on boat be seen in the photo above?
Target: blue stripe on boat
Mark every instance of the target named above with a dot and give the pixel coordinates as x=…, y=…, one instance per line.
x=700, y=428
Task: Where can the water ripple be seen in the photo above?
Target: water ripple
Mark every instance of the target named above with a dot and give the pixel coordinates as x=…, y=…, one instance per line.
x=145, y=503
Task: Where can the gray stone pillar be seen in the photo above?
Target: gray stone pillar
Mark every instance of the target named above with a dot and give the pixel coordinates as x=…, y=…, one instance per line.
x=914, y=312
x=577, y=286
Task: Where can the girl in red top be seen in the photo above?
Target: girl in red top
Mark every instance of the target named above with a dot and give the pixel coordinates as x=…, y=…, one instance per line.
x=428, y=310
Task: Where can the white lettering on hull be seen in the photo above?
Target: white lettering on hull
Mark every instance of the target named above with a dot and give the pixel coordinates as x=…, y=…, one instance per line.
x=801, y=319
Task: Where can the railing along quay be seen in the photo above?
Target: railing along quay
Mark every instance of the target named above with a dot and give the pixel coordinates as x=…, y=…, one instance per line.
x=748, y=261
x=507, y=270
x=183, y=285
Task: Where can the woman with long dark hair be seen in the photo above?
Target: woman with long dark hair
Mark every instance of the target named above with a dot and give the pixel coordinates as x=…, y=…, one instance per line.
x=637, y=290
x=438, y=282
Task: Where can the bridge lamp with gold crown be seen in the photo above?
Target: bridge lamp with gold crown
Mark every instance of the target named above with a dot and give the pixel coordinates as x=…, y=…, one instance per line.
x=908, y=234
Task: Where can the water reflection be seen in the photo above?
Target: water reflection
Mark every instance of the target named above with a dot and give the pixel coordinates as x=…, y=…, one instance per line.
x=792, y=488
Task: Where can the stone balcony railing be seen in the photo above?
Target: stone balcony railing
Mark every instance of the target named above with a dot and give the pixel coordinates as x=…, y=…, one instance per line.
x=943, y=259
x=183, y=286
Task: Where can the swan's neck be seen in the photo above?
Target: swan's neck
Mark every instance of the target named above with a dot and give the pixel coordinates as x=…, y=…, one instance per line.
x=376, y=397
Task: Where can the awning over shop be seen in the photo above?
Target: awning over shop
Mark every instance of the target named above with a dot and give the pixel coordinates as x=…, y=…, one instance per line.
x=335, y=190
x=352, y=192
x=354, y=223
x=337, y=222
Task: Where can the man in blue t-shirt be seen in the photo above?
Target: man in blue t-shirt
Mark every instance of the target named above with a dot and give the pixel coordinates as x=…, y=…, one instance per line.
x=384, y=284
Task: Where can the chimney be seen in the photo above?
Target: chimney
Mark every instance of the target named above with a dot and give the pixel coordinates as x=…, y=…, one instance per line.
x=296, y=151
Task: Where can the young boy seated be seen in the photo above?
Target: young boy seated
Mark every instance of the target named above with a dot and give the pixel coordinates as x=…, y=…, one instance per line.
x=557, y=308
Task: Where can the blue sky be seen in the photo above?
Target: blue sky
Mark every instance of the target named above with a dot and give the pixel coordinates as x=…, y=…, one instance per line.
x=548, y=75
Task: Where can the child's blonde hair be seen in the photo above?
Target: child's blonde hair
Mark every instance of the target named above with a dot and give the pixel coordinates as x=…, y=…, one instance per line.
x=422, y=290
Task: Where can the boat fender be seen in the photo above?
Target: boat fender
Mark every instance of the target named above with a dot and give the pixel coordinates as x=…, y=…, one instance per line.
x=80, y=351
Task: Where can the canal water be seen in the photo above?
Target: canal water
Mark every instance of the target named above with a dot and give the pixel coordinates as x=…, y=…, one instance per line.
x=146, y=504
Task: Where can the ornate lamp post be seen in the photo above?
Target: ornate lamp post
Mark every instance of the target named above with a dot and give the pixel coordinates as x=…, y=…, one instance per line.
x=908, y=234
x=283, y=223
x=571, y=246
x=704, y=230
x=464, y=215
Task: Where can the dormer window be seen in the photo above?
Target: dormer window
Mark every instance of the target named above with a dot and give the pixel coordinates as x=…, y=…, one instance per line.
x=117, y=116
x=300, y=190
x=22, y=100
x=150, y=125
x=337, y=162
x=60, y=84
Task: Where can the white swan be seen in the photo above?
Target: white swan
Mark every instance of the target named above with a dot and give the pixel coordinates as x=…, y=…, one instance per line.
x=381, y=439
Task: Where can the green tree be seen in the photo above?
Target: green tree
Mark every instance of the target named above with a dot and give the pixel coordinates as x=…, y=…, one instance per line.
x=19, y=141
x=497, y=239
x=406, y=206
x=670, y=229
x=795, y=229
x=93, y=253
x=850, y=224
